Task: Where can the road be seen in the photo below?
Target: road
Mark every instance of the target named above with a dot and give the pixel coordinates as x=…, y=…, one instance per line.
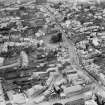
x=75, y=59
x=72, y=49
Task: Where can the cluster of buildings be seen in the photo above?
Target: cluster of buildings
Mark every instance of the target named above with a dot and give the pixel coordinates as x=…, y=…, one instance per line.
x=35, y=61
x=84, y=26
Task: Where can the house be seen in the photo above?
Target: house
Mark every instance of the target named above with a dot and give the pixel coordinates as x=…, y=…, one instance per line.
x=76, y=102
x=72, y=89
x=90, y=102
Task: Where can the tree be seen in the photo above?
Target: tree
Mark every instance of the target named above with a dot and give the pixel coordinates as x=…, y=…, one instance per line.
x=56, y=38
x=57, y=104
